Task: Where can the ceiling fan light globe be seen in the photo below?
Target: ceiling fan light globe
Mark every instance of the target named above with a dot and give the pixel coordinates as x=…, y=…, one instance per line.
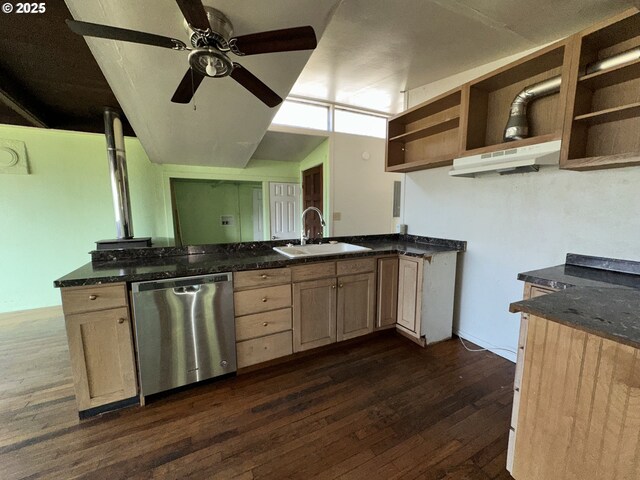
x=211, y=69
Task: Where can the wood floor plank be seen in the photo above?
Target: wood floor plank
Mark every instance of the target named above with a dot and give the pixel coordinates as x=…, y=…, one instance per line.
x=383, y=408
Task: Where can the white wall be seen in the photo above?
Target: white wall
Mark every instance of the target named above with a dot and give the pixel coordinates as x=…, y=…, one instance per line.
x=517, y=223
x=362, y=192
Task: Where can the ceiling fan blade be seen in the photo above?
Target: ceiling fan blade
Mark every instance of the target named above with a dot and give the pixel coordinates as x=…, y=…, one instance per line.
x=188, y=86
x=194, y=13
x=285, y=40
x=114, y=33
x=252, y=83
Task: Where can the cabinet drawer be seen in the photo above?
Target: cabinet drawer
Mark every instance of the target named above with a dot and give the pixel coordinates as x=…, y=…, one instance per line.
x=313, y=271
x=261, y=324
x=263, y=349
x=259, y=278
x=98, y=297
x=262, y=299
x=361, y=265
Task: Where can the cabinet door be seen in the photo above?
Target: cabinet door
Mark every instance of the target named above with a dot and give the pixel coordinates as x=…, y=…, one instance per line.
x=314, y=314
x=387, y=292
x=356, y=305
x=409, y=291
x=101, y=353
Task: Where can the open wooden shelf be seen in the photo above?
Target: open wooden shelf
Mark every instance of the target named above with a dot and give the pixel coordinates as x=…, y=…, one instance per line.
x=612, y=76
x=431, y=162
x=596, y=116
x=610, y=114
x=429, y=130
x=602, y=118
x=515, y=144
x=491, y=95
x=425, y=136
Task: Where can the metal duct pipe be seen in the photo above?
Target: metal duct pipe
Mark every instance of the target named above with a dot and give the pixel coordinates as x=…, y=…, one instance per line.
x=518, y=127
x=118, y=173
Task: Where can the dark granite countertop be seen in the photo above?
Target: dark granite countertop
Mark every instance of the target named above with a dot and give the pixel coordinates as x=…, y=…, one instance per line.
x=138, y=266
x=608, y=312
x=565, y=276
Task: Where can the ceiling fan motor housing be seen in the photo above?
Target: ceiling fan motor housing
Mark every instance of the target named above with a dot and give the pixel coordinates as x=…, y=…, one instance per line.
x=219, y=35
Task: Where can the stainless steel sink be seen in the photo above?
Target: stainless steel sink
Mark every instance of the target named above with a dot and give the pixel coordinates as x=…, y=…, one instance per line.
x=297, y=251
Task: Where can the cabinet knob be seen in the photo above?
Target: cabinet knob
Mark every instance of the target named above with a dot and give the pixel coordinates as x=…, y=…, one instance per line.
x=341, y=285
x=264, y=324
x=333, y=286
x=93, y=297
x=264, y=299
x=264, y=276
x=121, y=320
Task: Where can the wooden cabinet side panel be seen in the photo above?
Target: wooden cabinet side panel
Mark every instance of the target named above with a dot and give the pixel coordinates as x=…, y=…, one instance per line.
x=314, y=314
x=387, y=311
x=438, y=291
x=356, y=305
x=580, y=406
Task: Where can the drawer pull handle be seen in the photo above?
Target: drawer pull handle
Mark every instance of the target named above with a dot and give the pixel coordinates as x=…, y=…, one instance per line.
x=264, y=276
x=93, y=297
x=121, y=320
x=264, y=324
x=264, y=299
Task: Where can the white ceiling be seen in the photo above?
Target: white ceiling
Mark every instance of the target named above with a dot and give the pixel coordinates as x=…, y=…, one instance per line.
x=370, y=52
x=287, y=147
x=229, y=122
x=374, y=49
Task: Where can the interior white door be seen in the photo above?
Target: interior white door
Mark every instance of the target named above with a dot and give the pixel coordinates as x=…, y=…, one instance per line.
x=284, y=203
x=258, y=220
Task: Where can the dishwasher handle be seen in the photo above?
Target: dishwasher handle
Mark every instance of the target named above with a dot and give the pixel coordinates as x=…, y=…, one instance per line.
x=181, y=285
x=188, y=290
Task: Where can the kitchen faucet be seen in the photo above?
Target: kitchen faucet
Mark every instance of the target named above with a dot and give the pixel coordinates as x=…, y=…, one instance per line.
x=303, y=237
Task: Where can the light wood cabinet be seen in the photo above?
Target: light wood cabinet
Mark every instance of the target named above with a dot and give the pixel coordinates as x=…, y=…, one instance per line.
x=262, y=304
x=314, y=313
x=579, y=412
x=530, y=291
x=387, y=295
x=356, y=305
x=426, y=289
x=336, y=308
x=100, y=344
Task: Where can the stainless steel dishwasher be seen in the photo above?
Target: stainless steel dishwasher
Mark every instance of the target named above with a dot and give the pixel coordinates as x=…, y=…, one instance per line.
x=185, y=330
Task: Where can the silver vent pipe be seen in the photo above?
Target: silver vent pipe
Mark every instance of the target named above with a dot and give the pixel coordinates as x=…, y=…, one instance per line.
x=518, y=127
x=118, y=173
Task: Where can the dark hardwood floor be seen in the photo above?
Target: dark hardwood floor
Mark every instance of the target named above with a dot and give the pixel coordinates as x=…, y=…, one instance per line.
x=381, y=409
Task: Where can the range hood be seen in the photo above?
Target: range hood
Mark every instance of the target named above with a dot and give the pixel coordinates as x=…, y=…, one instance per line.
x=514, y=160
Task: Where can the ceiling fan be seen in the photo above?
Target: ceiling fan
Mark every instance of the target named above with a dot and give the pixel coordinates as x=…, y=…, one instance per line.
x=211, y=41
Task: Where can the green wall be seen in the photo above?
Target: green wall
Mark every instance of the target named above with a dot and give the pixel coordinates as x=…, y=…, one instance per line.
x=201, y=203
x=51, y=218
